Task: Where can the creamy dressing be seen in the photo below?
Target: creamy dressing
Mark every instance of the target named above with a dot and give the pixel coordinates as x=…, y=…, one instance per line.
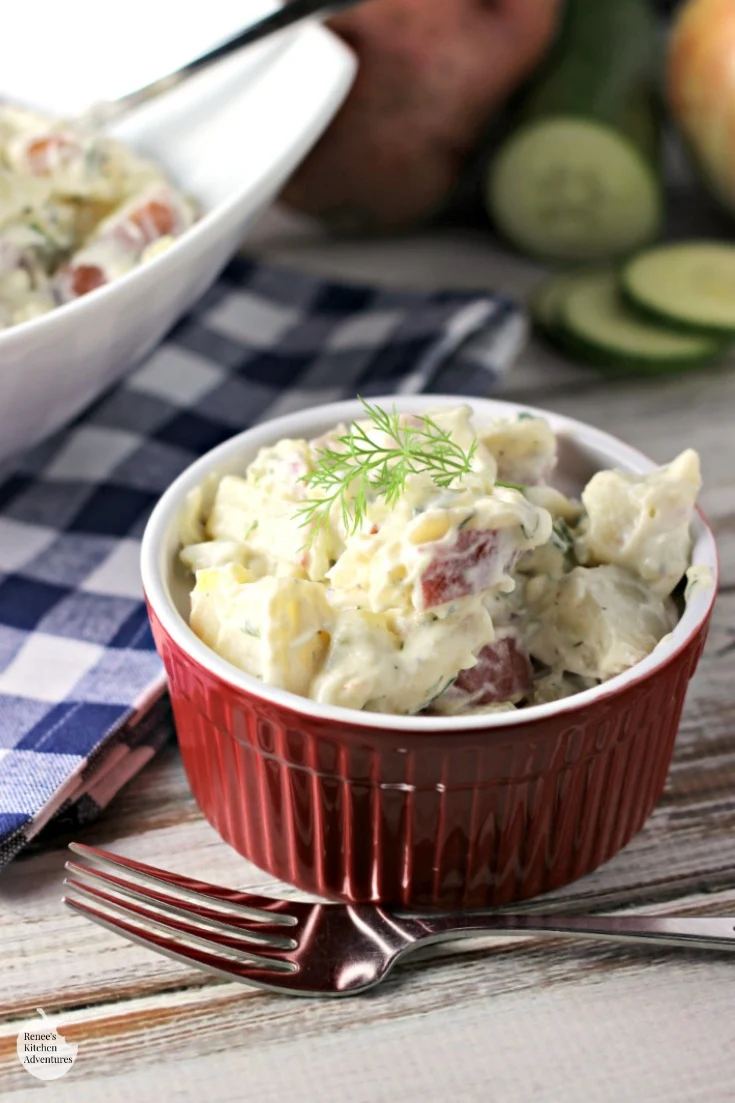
x=471, y=598
x=76, y=212
x=699, y=579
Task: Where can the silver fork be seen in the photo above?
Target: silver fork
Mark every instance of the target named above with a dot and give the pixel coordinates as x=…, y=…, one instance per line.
x=316, y=949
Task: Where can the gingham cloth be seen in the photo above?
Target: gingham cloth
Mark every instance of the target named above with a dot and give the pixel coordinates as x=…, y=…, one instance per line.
x=82, y=697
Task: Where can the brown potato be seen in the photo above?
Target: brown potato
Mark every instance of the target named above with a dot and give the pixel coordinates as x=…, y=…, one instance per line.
x=431, y=74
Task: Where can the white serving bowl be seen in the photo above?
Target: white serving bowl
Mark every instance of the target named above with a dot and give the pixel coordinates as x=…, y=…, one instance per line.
x=230, y=137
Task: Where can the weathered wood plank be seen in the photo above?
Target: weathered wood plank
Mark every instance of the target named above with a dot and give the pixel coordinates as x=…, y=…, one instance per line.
x=235, y=1032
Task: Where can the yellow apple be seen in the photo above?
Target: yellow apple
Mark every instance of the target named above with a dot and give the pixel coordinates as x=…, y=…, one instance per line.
x=701, y=89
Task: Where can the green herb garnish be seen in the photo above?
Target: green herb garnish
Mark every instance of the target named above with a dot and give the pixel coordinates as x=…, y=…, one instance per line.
x=364, y=469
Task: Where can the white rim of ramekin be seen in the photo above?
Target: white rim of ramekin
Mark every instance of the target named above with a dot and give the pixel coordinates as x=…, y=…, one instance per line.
x=311, y=422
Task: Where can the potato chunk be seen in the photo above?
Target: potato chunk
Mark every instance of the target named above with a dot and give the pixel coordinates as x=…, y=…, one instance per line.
x=276, y=629
x=595, y=621
x=642, y=521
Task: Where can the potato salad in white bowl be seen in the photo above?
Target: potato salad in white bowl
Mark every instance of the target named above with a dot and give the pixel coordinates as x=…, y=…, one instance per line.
x=437, y=562
x=106, y=240
x=77, y=211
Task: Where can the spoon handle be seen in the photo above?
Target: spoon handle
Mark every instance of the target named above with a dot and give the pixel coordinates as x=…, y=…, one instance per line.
x=297, y=11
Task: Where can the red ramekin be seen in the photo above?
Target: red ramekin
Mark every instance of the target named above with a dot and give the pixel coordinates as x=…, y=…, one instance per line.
x=417, y=811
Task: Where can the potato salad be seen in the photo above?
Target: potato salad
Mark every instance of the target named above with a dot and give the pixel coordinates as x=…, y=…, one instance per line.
x=77, y=210
x=408, y=564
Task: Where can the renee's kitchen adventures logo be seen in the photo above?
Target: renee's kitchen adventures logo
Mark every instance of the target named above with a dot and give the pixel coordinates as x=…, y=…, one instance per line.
x=43, y=1051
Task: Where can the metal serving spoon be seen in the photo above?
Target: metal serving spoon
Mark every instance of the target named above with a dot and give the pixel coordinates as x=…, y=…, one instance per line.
x=101, y=115
x=317, y=949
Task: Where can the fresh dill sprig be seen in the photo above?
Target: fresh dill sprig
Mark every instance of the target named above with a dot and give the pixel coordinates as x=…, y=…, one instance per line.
x=362, y=469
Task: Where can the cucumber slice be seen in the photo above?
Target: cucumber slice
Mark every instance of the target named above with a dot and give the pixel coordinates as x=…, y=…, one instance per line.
x=574, y=190
x=689, y=285
x=599, y=327
x=546, y=301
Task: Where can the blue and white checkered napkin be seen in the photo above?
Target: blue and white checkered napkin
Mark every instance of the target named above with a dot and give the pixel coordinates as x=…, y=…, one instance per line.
x=82, y=703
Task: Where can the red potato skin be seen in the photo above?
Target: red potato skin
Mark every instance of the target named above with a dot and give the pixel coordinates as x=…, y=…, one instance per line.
x=154, y=218
x=149, y=222
x=43, y=154
x=83, y=278
x=431, y=74
x=467, y=566
x=503, y=673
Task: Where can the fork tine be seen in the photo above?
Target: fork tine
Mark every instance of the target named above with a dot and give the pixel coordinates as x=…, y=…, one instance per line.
x=254, y=930
x=251, y=973
x=264, y=908
x=244, y=929
x=229, y=940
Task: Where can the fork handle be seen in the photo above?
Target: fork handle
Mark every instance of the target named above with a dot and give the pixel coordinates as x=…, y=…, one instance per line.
x=713, y=933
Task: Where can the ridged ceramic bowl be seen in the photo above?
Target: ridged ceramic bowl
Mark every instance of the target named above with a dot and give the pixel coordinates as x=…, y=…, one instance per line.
x=410, y=810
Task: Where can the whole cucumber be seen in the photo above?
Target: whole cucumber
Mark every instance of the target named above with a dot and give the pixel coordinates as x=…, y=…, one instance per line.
x=578, y=176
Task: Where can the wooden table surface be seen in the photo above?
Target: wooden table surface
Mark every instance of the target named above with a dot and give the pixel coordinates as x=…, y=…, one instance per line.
x=489, y=1020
